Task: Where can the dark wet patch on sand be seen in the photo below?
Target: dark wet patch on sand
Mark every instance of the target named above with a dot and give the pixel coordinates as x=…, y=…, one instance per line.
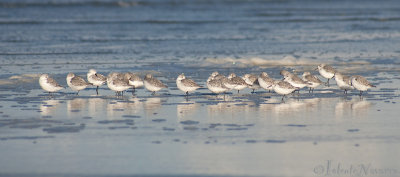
x=159, y=120
x=118, y=109
x=231, y=125
x=177, y=103
x=353, y=130
x=275, y=141
x=189, y=122
x=241, y=104
x=28, y=123
x=125, y=101
x=238, y=128
x=192, y=128
x=296, y=125
x=168, y=129
x=123, y=121
x=131, y=116
x=25, y=137
x=214, y=125
x=118, y=127
x=65, y=129
x=30, y=126
x=251, y=141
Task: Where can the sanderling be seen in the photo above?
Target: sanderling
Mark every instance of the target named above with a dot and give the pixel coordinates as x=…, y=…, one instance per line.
x=360, y=83
x=49, y=84
x=215, y=85
x=312, y=80
x=265, y=81
x=228, y=83
x=152, y=84
x=283, y=88
x=294, y=80
x=134, y=80
x=117, y=83
x=96, y=79
x=285, y=73
x=224, y=80
x=238, y=82
x=186, y=85
x=76, y=83
x=252, y=81
x=216, y=75
x=326, y=71
x=343, y=82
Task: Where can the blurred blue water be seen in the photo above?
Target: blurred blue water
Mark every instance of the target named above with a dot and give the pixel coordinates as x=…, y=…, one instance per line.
x=88, y=31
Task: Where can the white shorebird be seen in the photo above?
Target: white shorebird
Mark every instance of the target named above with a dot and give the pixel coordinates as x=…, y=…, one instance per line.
x=76, y=83
x=186, y=85
x=152, y=84
x=285, y=73
x=343, y=82
x=294, y=80
x=215, y=84
x=49, y=84
x=117, y=83
x=326, y=71
x=96, y=79
x=216, y=75
x=133, y=80
x=360, y=83
x=265, y=81
x=228, y=83
x=252, y=81
x=283, y=88
x=238, y=82
x=312, y=81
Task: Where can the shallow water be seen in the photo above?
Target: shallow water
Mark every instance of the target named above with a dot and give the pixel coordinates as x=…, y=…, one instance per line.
x=321, y=134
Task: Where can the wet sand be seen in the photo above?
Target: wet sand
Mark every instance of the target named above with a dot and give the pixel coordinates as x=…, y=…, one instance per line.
x=202, y=134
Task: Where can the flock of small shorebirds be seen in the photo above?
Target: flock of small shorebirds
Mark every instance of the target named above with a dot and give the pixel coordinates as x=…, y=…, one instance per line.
x=216, y=83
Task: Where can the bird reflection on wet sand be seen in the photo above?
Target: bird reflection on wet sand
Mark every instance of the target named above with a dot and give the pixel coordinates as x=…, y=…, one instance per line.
x=355, y=107
x=76, y=105
x=361, y=108
x=49, y=107
x=96, y=106
x=152, y=105
x=186, y=109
